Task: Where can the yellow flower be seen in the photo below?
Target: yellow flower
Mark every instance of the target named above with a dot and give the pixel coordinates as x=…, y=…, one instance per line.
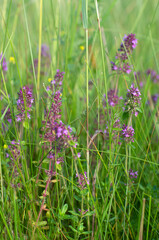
x=49, y=79
x=82, y=48
x=5, y=146
x=12, y=60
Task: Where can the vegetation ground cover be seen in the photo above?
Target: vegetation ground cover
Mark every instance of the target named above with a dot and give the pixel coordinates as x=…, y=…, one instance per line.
x=79, y=126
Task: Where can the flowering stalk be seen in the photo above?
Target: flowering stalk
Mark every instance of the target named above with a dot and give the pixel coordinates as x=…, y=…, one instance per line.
x=126, y=48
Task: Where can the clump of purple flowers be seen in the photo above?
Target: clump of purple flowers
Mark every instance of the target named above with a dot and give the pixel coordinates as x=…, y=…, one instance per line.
x=133, y=100
x=153, y=74
x=57, y=135
x=132, y=174
x=3, y=63
x=126, y=48
x=24, y=103
x=113, y=98
x=127, y=134
x=82, y=180
x=56, y=83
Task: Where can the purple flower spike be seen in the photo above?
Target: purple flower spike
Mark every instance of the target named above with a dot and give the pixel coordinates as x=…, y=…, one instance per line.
x=153, y=74
x=82, y=180
x=24, y=103
x=132, y=174
x=133, y=100
x=126, y=48
x=56, y=134
x=127, y=134
x=113, y=99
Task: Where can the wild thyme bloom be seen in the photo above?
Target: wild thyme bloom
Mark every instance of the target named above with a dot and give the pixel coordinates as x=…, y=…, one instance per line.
x=82, y=180
x=57, y=135
x=133, y=100
x=127, y=134
x=24, y=103
x=3, y=63
x=153, y=74
x=132, y=174
x=126, y=48
x=113, y=98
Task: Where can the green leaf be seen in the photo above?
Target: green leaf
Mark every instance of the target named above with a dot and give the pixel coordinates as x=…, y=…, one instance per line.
x=89, y=213
x=73, y=229
x=58, y=166
x=74, y=213
x=64, y=209
x=125, y=115
x=26, y=125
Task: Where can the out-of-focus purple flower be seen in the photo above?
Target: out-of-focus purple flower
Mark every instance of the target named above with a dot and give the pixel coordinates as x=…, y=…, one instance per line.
x=7, y=116
x=132, y=174
x=154, y=99
x=114, y=131
x=45, y=60
x=7, y=119
x=82, y=180
x=3, y=63
x=127, y=134
x=113, y=99
x=24, y=103
x=45, y=51
x=14, y=155
x=133, y=100
x=153, y=74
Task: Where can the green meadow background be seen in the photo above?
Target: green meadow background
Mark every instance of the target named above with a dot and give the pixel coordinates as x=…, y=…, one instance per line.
x=83, y=51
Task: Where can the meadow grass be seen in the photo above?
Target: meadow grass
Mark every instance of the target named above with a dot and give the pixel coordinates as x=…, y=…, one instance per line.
x=69, y=167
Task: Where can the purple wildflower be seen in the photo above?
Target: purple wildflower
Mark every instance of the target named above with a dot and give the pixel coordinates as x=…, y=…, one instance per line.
x=45, y=51
x=133, y=100
x=3, y=63
x=154, y=75
x=56, y=83
x=115, y=131
x=113, y=99
x=82, y=180
x=14, y=164
x=56, y=134
x=154, y=99
x=24, y=103
x=128, y=45
x=132, y=174
x=45, y=60
x=126, y=48
x=127, y=134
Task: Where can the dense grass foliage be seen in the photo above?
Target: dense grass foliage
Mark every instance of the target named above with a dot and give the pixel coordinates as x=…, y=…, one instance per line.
x=79, y=119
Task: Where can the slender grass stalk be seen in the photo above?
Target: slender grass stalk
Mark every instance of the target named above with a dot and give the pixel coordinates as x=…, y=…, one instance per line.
x=142, y=220
x=39, y=56
x=149, y=216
